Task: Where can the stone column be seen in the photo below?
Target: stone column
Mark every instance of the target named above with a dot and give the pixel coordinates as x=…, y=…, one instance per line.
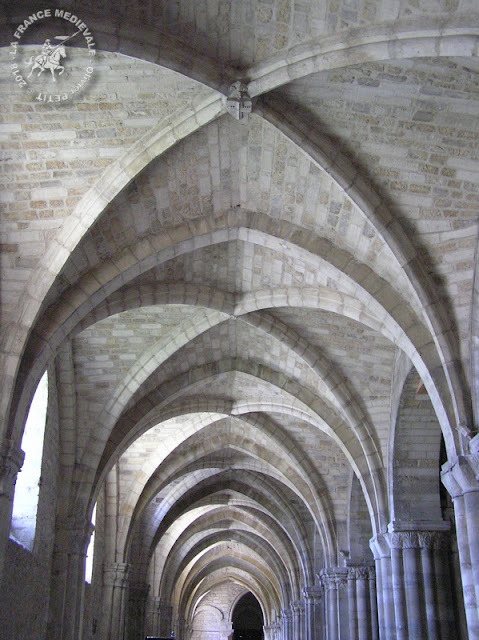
x=152, y=617
x=352, y=605
x=333, y=580
x=313, y=605
x=364, y=603
x=11, y=460
x=361, y=620
x=269, y=631
x=373, y=603
x=137, y=598
x=384, y=588
x=460, y=477
x=418, y=589
x=166, y=619
x=287, y=624
x=278, y=627
x=115, y=589
x=415, y=602
x=184, y=631
x=297, y=609
x=68, y=578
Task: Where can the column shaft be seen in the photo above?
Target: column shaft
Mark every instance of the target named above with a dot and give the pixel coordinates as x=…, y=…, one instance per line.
x=287, y=619
x=460, y=477
x=471, y=504
x=68, y=579
x=389, y=631
x=137, y=598
x=380, y=598
x=298, y=614
x=115, y=586
x=363, y=600
x=332, y=597
x=333, y=580
x=445, y=622
x=414, y=598
x=374, y=605
x=428, y=571
x=353, y=608
x=400, y=610
x=422, y=589
x=313, y=618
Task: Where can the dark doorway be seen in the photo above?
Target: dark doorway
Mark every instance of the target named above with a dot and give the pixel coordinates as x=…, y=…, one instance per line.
x=247, y=619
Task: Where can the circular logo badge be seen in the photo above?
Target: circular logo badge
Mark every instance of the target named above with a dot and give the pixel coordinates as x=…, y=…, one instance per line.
x=58, y=69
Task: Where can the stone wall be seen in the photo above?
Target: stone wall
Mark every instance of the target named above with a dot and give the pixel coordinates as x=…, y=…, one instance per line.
x=26, y=585
x=212, y=621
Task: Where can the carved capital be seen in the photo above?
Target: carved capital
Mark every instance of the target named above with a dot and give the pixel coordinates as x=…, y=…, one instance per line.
x=313, y=595
x=73, y=535
x=438, y=540
x=115, y=574
x=361, y=572
x=461, y=475
x=380, y=547
x=333, y=579
x=403, y=540
x=11, y=461
x=297, y=607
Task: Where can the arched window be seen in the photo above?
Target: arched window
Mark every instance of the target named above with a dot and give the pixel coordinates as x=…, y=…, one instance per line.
x=25, y=501
x=90, y=551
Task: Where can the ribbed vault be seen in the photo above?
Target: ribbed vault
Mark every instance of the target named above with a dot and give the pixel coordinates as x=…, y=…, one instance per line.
x=254, y=330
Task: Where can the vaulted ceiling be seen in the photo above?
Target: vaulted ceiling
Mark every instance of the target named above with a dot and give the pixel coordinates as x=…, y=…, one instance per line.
x=234, y=306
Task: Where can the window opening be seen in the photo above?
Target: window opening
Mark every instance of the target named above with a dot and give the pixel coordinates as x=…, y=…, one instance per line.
x=90, y=551
x=27, y=488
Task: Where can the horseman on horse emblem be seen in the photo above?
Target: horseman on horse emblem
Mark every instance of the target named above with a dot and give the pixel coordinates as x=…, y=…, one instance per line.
x=50, y=57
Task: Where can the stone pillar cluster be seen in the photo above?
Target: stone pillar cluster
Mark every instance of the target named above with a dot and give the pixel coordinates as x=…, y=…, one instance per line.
x=313, y=601
x=298, y=610
x=302, y=620
x=287, y=624
x=68, y=577
x=115, y=589
x=421, y=584
x=385, y=602
x=460, y=477
x=269, y=631
x=413, y=584
x=153, y=616
x=137, y=599
x=363, y=623
x=334, y=582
